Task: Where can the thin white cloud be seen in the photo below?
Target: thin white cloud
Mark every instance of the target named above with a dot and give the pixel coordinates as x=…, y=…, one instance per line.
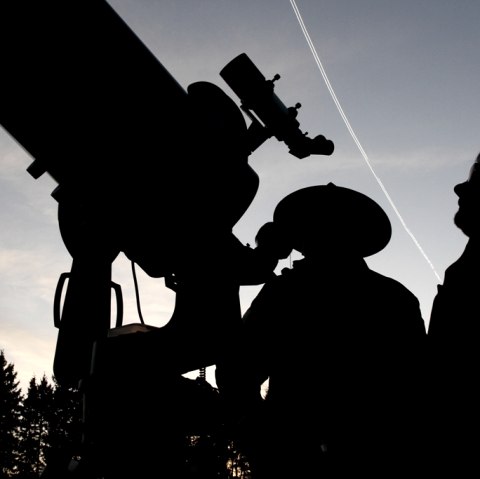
x=426, y=158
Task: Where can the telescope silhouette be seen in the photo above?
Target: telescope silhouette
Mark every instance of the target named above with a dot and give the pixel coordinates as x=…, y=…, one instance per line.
x=133, y=153
x=155, y=171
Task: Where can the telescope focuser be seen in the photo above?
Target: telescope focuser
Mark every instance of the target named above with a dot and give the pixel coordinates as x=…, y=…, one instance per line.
x=269, y=115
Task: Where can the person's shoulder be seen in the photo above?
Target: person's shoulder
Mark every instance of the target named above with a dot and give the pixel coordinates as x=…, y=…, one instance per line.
x=387, y=283
x=405, y=312
x=467, y=264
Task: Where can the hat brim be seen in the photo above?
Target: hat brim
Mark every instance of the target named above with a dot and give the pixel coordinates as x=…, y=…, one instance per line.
x=331, y=212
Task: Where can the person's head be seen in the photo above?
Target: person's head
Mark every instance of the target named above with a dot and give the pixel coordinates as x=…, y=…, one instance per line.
x=467, y=218
x=270, y=237
x=330, y=220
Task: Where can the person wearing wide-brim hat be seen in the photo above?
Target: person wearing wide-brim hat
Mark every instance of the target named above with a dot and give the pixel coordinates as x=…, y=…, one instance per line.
x=340, y=345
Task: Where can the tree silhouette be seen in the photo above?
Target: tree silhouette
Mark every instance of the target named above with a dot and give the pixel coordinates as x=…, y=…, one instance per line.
x=65, y=426
x=35, y=423
x=10, y=410
x=66, y=421
x=41, y=432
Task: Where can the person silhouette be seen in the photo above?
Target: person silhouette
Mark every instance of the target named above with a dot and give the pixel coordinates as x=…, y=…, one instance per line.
x=452, y=336
x=340, y=345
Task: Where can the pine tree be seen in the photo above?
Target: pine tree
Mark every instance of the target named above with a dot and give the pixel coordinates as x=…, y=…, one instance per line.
x=10, y=407
x=65, y=425
x=35, y=423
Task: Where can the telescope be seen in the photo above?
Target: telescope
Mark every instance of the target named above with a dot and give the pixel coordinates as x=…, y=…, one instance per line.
x=126, y=144
x=143, y=167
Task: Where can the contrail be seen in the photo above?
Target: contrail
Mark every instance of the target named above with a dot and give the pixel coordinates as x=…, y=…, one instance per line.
x=352, y=133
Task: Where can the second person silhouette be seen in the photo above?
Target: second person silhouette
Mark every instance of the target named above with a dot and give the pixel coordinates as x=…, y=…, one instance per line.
x=341, y=346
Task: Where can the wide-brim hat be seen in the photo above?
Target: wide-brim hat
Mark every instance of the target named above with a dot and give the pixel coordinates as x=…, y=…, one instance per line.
x=334, y=214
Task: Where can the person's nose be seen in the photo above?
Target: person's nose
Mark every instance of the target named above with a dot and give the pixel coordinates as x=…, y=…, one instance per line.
x=460, y=188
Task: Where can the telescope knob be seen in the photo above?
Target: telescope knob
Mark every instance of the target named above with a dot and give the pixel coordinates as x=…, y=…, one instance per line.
x=293, y=110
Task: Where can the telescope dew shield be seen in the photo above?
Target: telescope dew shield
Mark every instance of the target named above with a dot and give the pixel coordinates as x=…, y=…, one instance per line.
x=100, y=114
x=83, y=95
x=257, y=95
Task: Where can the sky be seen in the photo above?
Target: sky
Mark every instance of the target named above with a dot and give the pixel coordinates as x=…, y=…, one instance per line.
x=404, y=74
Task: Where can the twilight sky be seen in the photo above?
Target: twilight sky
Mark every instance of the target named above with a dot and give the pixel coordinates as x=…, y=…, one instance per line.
x=406, y=76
